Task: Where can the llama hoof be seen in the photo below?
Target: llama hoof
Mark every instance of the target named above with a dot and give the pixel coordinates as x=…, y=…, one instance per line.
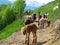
x=26, y=41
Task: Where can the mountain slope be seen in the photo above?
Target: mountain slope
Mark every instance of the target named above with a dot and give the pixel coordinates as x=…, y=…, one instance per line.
x=10, y=29
x=49, y=9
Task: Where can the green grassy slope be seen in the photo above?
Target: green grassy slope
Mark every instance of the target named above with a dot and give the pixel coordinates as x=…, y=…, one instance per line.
x=8, y=30
x=49, y=8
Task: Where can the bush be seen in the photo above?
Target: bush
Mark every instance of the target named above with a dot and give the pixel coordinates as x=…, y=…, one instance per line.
x=9, y=15
x=6, y=17
x=1, y=21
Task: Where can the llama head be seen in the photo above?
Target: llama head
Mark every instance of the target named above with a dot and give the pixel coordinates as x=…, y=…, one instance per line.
x=23, y=30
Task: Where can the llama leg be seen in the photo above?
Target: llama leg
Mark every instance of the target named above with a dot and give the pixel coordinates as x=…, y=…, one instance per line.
x=43, y=25
x=34, y=38
x=48, y=23
x=27, y=39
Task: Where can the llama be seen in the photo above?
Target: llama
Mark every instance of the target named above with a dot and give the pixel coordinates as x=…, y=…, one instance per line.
x=43, y=22
x=48, y=23
x=46, y=15
x=46, y=19
x=27, y=30
x=39, y=17
x=30, y=19
x=27, y=16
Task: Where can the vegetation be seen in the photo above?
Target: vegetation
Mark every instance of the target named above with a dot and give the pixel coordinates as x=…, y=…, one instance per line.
x=10, y=29
x=11, y=18
x=19, y=6
x=3, y=6
x=48, y=8
x=8, y=13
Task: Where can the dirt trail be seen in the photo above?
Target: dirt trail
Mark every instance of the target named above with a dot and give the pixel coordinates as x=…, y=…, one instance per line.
x=44, y=37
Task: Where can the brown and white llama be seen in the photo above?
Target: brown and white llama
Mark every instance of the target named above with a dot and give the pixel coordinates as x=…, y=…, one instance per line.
x=43, y=21
x=27, y=30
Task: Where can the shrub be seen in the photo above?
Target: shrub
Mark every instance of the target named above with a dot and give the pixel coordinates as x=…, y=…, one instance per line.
x=9, y=15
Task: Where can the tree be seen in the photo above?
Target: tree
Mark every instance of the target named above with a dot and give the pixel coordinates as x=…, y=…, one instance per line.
x=19, y=6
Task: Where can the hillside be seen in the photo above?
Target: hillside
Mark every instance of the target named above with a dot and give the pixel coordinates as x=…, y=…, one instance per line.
x=11, y=17
x=11, y=28
x=48, y=8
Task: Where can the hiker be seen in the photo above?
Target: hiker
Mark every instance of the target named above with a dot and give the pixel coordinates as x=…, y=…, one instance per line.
x=34, y=17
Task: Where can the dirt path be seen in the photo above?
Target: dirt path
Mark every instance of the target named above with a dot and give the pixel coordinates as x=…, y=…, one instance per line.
x=17, y=38
x=44, y=37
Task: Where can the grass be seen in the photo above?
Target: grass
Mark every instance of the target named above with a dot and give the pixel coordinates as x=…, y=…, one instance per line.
x=48, y=8
x=10, y=29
